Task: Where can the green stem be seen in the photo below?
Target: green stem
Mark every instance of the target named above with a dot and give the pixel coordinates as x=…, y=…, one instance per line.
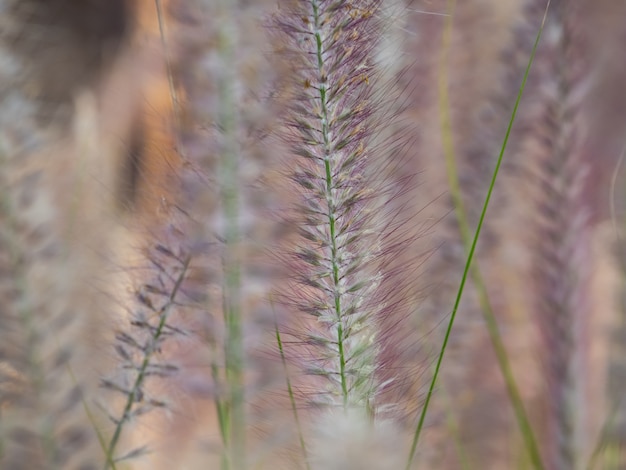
x=168, y=62
x=331, y=205
x=229, y=189
x=133, y=396
x=292, y=398
x=483, y=297
x=472, y=250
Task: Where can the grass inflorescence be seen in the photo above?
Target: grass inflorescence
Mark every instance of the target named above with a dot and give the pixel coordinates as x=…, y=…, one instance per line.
x=330, y=123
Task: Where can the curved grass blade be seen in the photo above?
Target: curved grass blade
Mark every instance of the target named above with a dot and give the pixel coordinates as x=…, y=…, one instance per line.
x=464, y=229
x=470, y=256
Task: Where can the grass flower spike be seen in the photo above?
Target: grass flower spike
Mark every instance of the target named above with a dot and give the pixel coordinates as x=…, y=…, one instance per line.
x=329, y=130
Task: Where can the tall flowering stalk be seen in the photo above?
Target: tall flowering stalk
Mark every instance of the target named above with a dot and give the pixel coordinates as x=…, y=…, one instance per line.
x=331, y=45
x=221, y=139
x=562, y=244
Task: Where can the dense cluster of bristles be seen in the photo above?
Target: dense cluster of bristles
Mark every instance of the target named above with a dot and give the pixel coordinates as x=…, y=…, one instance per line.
x=329, y=129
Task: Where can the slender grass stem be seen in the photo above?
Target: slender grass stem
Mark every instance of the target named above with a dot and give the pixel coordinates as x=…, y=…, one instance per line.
x=92, y=421
x=168, y=63
x=472, y=250
x=464, y=229
x=292, y=398
x=229, y=194
x=602, y=444
x=220, y=406
x=330, y=184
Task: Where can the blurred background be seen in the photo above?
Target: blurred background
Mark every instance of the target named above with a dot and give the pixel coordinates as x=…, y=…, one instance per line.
x=107, y=117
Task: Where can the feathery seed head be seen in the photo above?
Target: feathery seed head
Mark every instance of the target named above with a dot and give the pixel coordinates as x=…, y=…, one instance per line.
x=329, y=128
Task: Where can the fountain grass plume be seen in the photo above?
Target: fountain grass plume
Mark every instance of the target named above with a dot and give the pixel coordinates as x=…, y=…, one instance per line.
x=562, y=243
x=329, y=129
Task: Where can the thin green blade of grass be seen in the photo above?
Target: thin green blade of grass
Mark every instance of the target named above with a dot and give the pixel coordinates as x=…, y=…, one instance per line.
x=472, y=250
x=220, y=406
x=168, y=63
x=228, y=118
x=292, y=399
x=452, y=426
x=483, y=297
x=94, y=424
x=602, y=446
